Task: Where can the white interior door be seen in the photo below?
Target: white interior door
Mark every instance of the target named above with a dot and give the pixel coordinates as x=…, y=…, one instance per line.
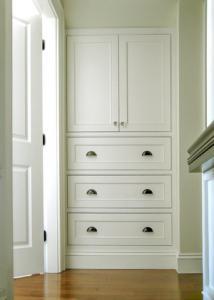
x=27, y=145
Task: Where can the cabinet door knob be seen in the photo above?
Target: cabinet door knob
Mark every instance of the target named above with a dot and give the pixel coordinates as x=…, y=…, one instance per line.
x=91, y=192
x=91, y=153
x=122, y=123
x=148, y=229
x=147, y=192
x=115, y=123
x=91, y=229
x=147, y=153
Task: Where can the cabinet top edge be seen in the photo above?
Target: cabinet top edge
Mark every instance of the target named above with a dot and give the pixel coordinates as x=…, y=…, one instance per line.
x=117, y=31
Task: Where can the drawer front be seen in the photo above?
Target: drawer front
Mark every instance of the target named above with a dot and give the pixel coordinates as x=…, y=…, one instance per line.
x=119, y=229
x=119, y=153
x=119, y=191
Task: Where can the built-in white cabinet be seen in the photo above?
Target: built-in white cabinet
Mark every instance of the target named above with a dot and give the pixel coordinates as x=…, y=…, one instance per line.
x=119, y=82
x=121, y=155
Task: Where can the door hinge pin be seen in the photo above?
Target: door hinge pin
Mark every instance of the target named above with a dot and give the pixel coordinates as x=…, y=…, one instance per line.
x=45, y=236
x=43, y=44
x=43, y=139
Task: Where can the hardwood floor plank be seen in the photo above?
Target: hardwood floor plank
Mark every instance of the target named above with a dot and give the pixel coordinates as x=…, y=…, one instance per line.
x=110, y=284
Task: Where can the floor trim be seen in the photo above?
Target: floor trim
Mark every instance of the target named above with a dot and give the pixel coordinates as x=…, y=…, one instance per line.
x=121, y=261
x=189, y=263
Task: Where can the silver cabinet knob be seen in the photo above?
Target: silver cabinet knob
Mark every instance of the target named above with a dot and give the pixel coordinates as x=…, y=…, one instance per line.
x=122, y=123
x=115, y=123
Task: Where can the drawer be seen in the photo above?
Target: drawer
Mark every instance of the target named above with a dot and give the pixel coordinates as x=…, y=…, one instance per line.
x=119, y=153
x=119, y=191
x=119, y=229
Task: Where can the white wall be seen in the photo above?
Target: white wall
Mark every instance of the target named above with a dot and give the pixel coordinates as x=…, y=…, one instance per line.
x=5, y=149
x=192, y=119
x=120, y=13
x=187, y=18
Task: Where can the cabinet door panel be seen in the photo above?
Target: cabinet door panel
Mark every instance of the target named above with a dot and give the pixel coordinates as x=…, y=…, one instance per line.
x=145, y=88
x=92, y=84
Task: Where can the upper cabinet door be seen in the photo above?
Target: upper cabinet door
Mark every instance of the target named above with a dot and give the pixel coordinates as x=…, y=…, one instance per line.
x=92, y=84
x=145, y=82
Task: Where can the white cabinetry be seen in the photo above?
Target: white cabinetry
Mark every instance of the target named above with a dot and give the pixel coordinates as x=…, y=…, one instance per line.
x=121, y=170
x=92, y=83
x=145, y=82
x=138, y=98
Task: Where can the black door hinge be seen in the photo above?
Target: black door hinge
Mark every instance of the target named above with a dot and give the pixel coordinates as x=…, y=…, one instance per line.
x=45, y=235
x=43, y=139
x=43, y=44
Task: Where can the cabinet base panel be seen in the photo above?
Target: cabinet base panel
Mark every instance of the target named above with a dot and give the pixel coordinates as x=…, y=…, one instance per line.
x=121, y=261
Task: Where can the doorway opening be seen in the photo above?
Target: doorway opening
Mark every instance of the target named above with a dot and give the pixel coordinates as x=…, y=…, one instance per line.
x=37, y=116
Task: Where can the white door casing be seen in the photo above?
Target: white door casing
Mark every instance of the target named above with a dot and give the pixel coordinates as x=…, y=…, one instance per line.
x=27, y=146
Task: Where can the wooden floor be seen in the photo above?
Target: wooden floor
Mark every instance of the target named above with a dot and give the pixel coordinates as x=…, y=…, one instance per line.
x=111, y=285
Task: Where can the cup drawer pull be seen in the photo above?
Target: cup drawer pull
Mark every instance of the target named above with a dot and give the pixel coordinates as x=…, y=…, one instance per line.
x=148, y=229
x=91, y=229
x=91, y=154
x=91, y=192
x=147, y=192
x=147, y=153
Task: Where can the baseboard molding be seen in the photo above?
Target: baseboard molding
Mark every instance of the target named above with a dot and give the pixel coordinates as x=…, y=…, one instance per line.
x=189, y=263
x=121, y=261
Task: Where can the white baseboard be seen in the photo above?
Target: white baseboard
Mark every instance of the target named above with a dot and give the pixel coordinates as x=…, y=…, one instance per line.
x=121, y=261
x=189, y=263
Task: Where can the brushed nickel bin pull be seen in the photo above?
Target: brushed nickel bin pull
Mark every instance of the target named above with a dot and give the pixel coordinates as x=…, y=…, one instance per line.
x=91, y=229
x=91, y=153
x=91, y=192
x=148, y=229
x=147, y=192
x=147, y=153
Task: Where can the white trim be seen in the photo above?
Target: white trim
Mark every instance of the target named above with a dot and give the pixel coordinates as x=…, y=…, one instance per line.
x=189, y=263
x=55, y=261
x=121, y=261
x=6, y=229
x=116, y=31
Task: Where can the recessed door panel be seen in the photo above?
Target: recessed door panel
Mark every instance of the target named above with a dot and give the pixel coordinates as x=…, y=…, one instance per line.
x=145, y=84
x=92, y=83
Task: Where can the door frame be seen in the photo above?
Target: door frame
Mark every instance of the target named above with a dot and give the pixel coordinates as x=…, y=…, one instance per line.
x=6, y=212
x=54, y=254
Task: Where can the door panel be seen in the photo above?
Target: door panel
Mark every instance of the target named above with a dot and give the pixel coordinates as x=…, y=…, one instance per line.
x=92, y=83
x=27, y=146
x=145, y=85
